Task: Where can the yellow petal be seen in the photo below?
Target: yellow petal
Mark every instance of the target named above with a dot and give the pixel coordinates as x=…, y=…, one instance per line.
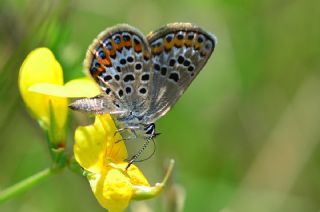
x=95, y=145
x=136, y=176
x=77, y=88
x=83, y=87
x=112, y=188
x=40, y=66
x=49, y=89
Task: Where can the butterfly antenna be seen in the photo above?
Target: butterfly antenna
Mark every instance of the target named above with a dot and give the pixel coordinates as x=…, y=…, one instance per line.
x=133, y=158
x=154, y=150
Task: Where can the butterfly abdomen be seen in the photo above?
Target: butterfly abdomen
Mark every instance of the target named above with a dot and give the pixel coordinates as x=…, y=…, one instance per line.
x=87, y=105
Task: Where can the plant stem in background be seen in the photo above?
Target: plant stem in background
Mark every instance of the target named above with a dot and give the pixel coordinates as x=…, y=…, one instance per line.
x=26, y=184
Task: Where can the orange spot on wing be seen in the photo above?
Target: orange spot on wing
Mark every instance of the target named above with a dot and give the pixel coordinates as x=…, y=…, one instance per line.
x=146, y=55
x=121, y=44
x=196, y=44
x=100, y=69
x=115, y=47
x=105, y=50
x=112, y=52
x=105, y=62
x=168, y=45
x=157, y=49
x=127, y=43
x=138, y=47
x=177, y=42
x=188, y=42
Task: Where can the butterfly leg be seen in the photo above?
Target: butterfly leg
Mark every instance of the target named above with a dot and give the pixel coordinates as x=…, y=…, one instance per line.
x=130, y=128
x=128, y=138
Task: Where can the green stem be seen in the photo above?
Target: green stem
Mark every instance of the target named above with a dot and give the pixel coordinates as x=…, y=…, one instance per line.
x=168, y=173
x=26, y=184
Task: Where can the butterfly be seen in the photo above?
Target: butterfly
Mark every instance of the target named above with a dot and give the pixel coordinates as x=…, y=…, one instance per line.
x=142, y=77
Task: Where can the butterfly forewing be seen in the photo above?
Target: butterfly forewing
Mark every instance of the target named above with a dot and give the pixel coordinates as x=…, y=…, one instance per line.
x=146, y=76
x=141, y=78
x=179, y=52
x=119, y=60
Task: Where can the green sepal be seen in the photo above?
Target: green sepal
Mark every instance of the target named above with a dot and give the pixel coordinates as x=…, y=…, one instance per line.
x=56, y=141
x=59, y=158
x=147, y=192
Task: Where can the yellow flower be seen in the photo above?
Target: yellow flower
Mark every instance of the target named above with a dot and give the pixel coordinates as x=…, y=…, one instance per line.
x=43, y=91
x=97, y=151
x=40, y=66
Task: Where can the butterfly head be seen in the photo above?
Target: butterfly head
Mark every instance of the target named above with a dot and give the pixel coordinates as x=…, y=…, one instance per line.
x=150, y=131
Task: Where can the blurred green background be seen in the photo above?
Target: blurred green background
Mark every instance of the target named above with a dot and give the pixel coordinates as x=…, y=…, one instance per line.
x=245, y=136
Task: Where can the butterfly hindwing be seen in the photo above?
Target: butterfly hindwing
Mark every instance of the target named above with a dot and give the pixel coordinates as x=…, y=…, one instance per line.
x=179, y=52
x=119, y=61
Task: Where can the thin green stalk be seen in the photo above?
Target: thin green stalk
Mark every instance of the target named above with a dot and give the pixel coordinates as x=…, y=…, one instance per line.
x=168, y=173
x=146, y=192
x=25, y=184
